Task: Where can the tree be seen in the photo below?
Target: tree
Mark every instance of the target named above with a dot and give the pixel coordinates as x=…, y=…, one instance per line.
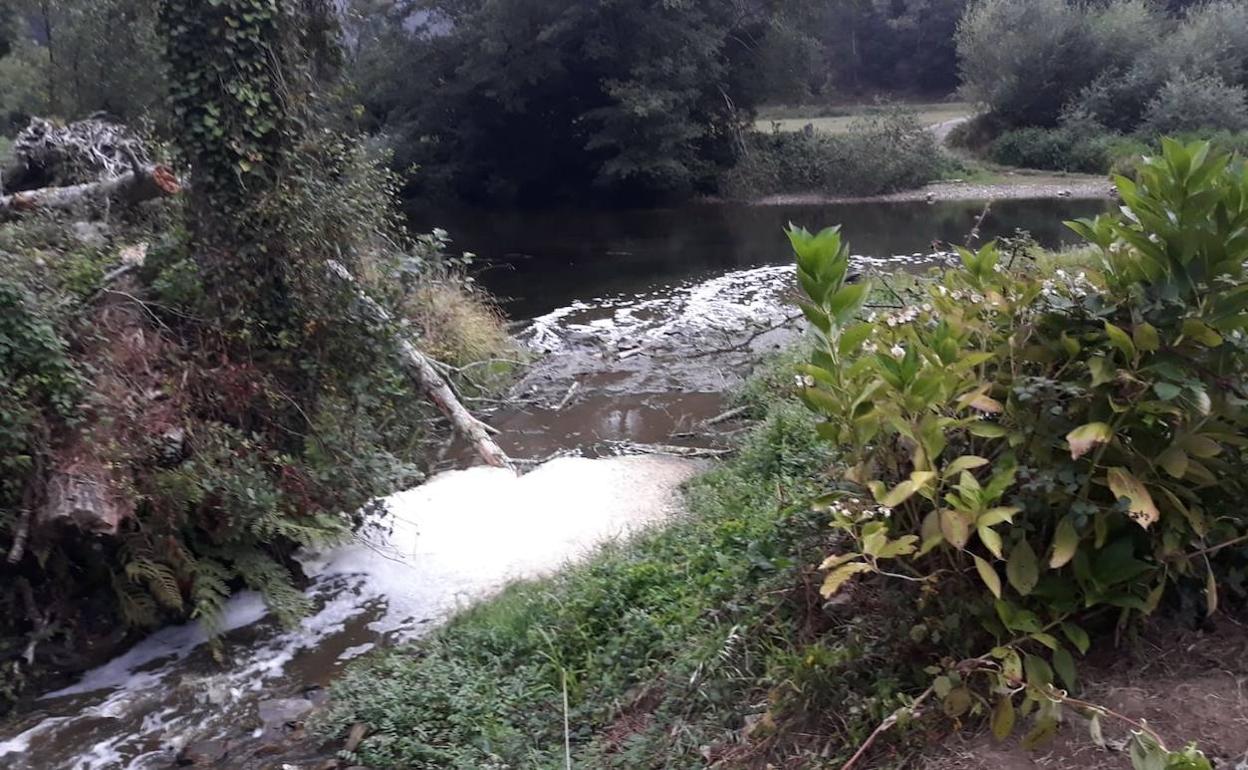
x=1024, y=59
x=531, y=100
x=91, y=55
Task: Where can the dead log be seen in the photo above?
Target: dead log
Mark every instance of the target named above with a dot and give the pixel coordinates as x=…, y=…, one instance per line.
x=46, y=154
x=429, y=382
x=142, y=184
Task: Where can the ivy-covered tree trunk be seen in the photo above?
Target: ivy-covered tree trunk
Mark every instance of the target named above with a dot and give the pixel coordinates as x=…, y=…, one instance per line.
x=238, y=82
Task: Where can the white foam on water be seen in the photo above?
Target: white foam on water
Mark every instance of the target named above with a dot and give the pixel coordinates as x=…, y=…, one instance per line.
x=458, y=537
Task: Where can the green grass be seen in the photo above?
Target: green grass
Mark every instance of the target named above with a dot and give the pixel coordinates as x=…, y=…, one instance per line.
x=669, y=645
x=838, y=120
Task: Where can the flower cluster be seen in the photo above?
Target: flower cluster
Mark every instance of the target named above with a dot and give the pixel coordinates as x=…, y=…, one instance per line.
x=855, y=509
x=1076, y=286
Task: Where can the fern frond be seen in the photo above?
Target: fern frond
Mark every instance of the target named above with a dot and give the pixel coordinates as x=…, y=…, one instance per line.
x=160, y=581
x=137, y=607
x=209, y=593
x=261, y=573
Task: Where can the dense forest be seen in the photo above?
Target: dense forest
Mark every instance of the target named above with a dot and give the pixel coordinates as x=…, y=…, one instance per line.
x=538, y=102
x=949, y=504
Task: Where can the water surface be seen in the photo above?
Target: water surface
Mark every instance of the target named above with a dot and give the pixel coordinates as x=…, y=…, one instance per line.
x=537, y=261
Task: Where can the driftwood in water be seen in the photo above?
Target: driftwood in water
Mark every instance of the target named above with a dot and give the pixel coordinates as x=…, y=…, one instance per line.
x=427, y=379
x=132, y=187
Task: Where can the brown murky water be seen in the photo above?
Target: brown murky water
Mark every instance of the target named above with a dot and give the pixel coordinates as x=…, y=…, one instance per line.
x=643, y=320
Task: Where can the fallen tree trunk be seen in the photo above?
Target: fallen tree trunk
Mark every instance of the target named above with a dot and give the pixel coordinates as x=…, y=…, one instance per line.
x=427, y=379
x=144, y=183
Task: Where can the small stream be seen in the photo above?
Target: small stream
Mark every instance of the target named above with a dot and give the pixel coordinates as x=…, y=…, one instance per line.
x=643, y=320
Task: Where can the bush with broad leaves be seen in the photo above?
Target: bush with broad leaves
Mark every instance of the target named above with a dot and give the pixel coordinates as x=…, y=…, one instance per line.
x=1071, y=447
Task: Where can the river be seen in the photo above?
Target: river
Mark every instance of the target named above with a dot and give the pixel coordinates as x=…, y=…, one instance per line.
x=640, y=320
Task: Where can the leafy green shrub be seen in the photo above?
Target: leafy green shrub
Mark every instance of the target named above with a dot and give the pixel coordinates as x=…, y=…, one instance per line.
x=879, y=154
x=1083, y=432
x=1054, y=149
x=1187, y=103
x=1024, y=58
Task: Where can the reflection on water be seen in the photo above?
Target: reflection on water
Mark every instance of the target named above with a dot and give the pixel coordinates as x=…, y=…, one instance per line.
x=541, y=260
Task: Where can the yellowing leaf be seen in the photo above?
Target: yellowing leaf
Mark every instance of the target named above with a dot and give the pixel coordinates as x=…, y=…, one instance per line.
x=964, y=463
x=1201, y=446
x=986, y=404
x=1003, y=718
x=895, y=496
x=991, y=540
x=873, y=542
x=995, y=516
x=954, y=528
x=1085, y=437
x=1139, y=502
x=838, y=577
x=902, y=546
x=988, y=575
x=1065, y=543
x=836, y=561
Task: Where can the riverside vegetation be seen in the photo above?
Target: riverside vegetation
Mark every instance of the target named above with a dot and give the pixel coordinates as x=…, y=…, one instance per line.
x=186, y=393
x=1074, y=86
x=1016, y=464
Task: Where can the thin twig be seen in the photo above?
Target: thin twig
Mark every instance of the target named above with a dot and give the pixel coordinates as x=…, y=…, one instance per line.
x=884, y=726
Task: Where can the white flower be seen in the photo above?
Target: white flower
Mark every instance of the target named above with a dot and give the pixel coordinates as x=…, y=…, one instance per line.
x=898, y=351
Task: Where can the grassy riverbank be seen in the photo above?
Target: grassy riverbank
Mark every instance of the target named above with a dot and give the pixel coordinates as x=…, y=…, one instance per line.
x=839, y=119
x=691, y=644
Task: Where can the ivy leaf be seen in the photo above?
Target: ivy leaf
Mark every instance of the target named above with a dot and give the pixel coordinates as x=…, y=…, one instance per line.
x=1140, y=503
x=1085, y=437
x=1065, y=543
x=1021, y=569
